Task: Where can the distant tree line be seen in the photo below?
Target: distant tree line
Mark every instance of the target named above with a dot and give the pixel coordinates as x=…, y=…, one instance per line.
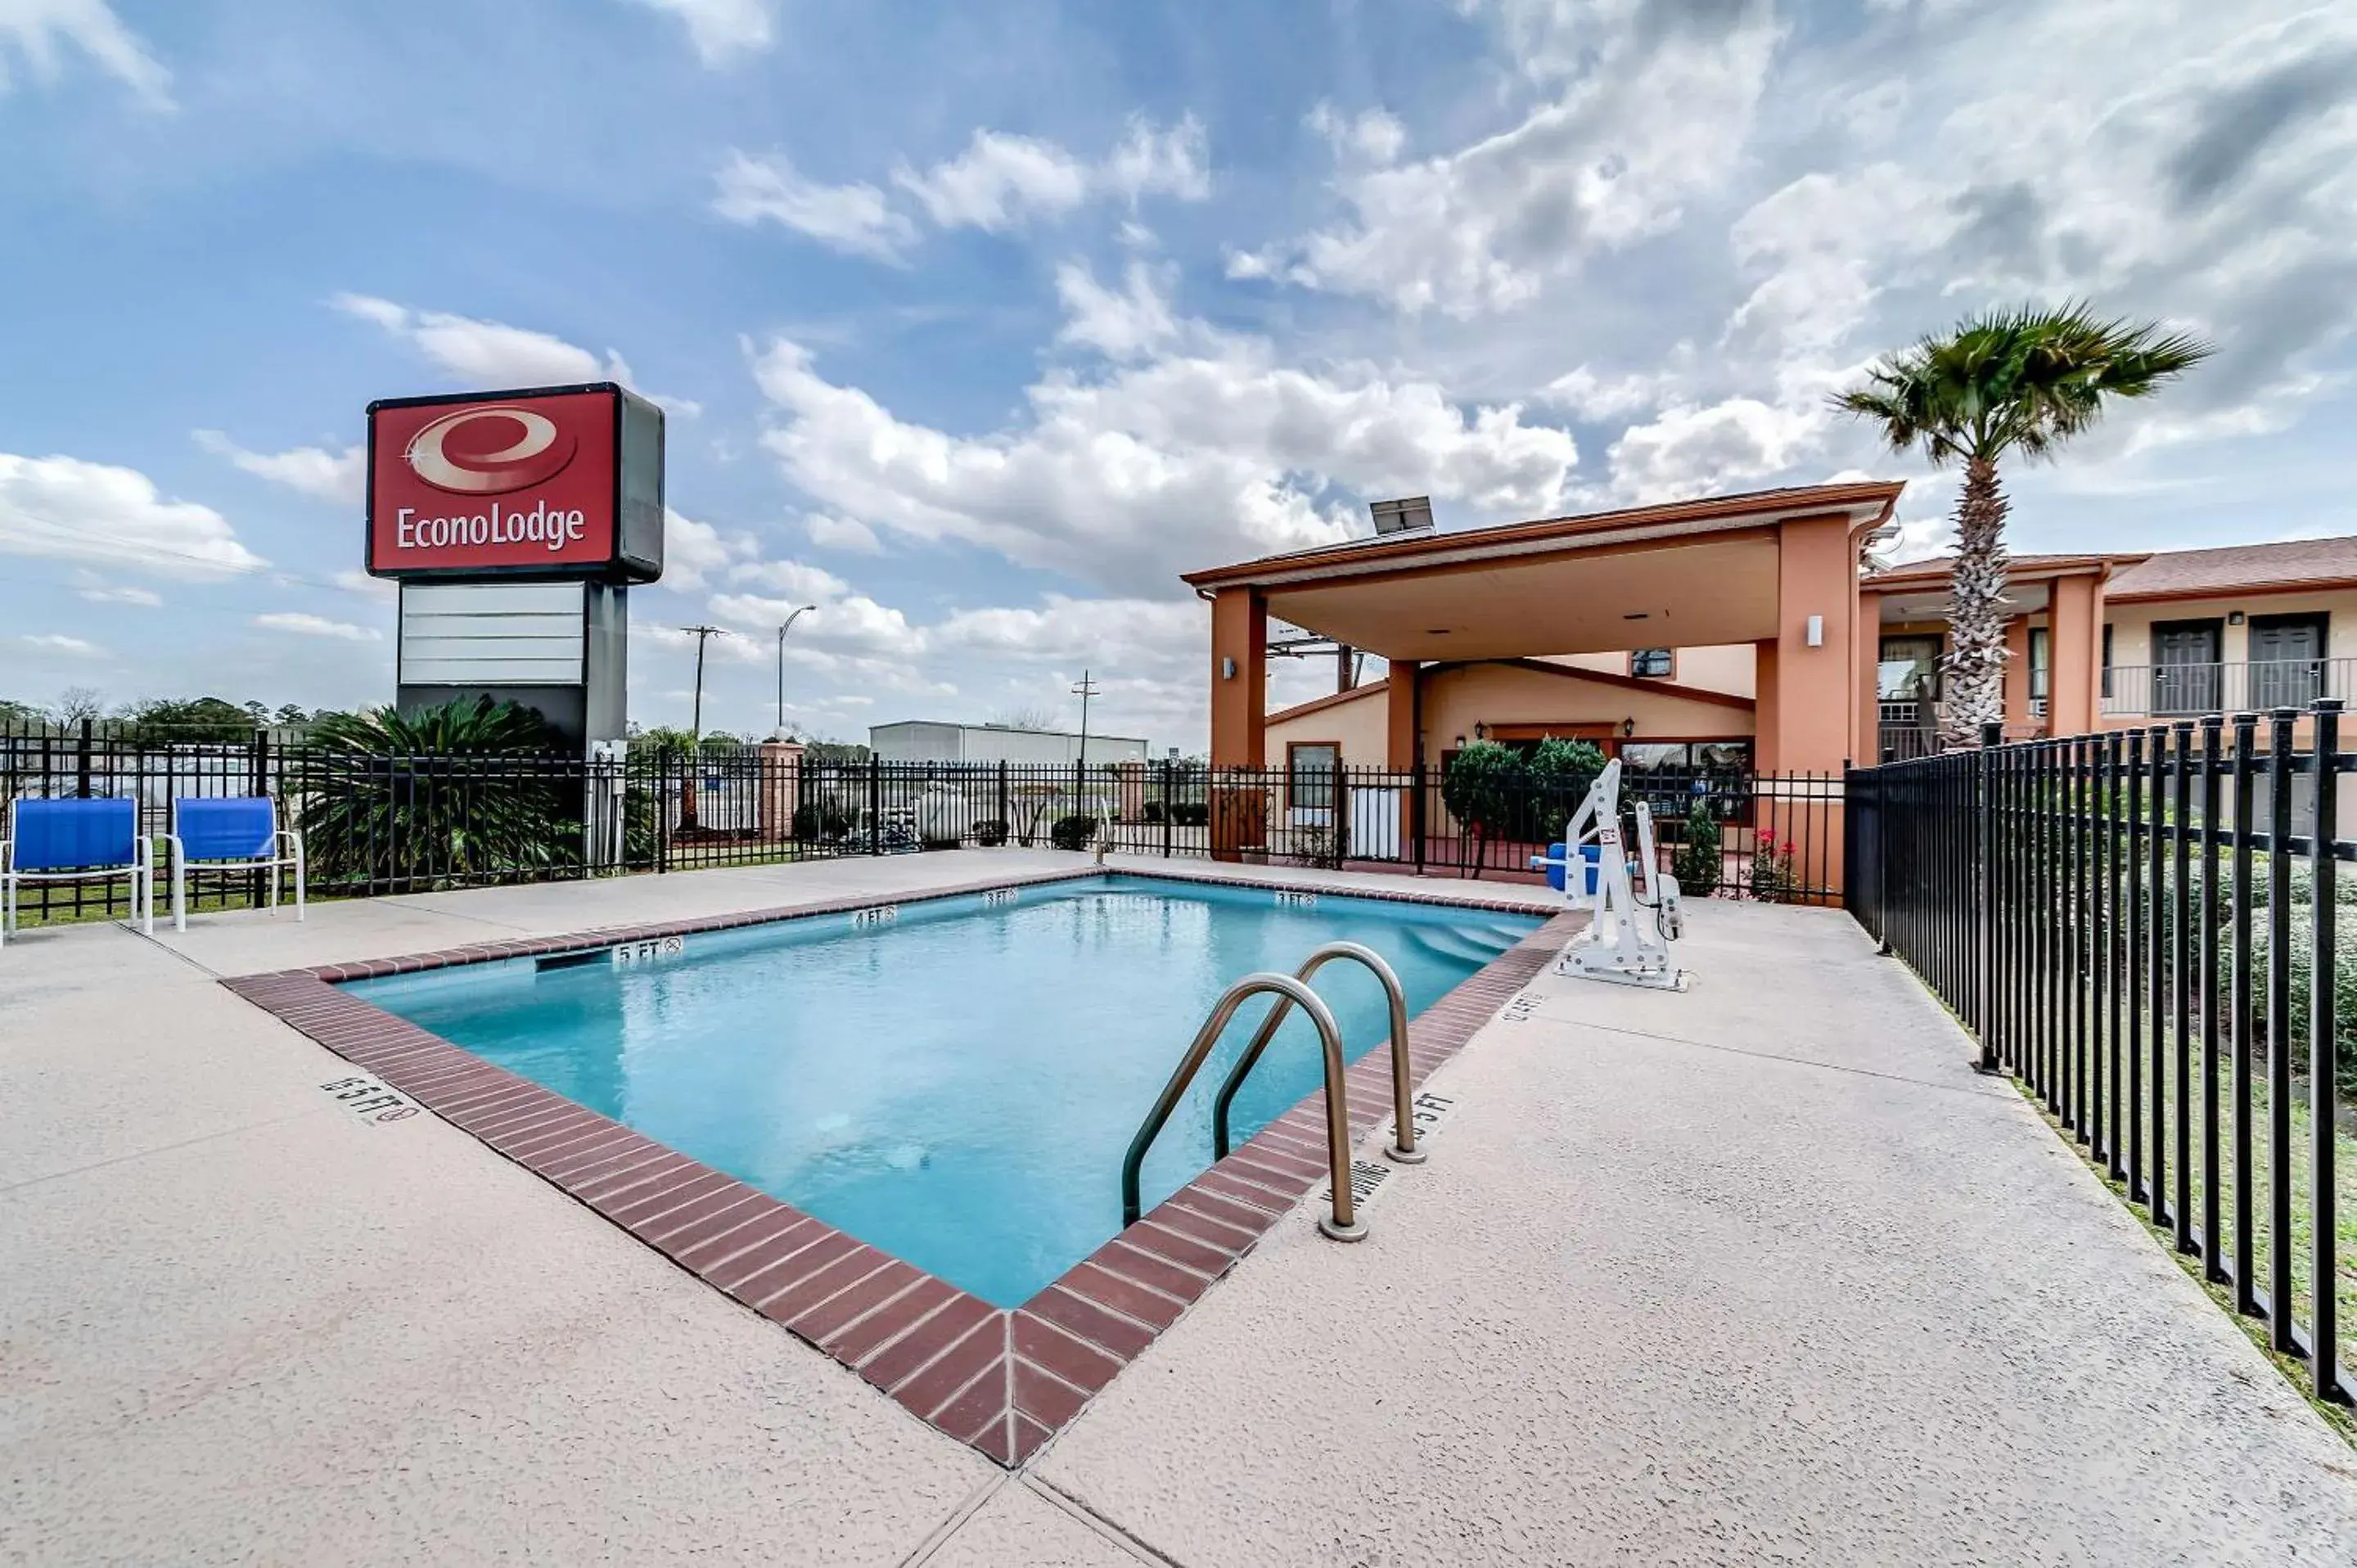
x=157, y=718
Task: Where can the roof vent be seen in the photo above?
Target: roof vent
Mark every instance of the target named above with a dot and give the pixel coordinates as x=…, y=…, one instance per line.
x=1411, y=515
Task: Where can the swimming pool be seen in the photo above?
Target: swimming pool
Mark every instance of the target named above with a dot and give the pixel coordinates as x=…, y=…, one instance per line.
x=952, y=1081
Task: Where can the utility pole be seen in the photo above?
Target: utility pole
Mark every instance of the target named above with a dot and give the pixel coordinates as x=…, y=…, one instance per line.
x=787, y=626
x=702, y=635
x=1084, y=691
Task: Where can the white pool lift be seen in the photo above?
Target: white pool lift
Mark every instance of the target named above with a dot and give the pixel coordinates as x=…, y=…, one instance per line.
x=1633, y=905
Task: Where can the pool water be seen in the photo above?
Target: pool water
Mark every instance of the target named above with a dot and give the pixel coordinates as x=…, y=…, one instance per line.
x=954, y=1082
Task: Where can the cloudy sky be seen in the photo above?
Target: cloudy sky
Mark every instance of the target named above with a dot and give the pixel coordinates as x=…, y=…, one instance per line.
x=977, y=323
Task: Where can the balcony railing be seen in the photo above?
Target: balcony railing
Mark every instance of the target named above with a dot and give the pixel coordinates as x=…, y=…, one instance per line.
x=2189, y=691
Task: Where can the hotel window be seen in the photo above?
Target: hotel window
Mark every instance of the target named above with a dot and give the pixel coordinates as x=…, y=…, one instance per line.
x=2107, y=658
x=2038, y=645
x=1654, y=662
x=1310, y=768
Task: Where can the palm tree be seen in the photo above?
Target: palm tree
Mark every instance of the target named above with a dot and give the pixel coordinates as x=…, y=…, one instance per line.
x=2021, y=380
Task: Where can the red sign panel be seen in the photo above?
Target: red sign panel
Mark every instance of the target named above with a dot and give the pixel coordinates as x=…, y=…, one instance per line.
x=501, y=482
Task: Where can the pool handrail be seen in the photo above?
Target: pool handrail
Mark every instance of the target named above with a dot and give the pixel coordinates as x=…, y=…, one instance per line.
x=1402, y=1147
x=1343, y=1224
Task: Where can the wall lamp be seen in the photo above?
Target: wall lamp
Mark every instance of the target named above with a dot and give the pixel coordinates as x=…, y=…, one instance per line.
x=1628, y=728
x=1480, y=732
x=1227, y=669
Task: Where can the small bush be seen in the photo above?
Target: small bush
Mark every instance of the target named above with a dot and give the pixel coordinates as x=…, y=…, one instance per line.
x=1150, y=812
x=990, y=833
x=1190, y=814
x=814, y=821
x=1073, y=831
x=1771, y=869
x=1697, y=863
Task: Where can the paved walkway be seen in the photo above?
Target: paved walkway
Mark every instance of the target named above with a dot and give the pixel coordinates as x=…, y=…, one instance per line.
x=1761, y=1272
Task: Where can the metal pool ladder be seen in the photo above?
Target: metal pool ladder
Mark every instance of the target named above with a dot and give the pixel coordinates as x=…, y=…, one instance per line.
x=1342, y=1224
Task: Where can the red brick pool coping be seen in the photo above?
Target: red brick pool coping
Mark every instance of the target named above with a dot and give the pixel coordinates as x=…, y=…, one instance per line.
x=1003, y=1381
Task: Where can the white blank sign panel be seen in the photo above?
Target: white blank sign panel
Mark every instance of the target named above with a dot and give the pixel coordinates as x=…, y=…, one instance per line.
x=493, y=634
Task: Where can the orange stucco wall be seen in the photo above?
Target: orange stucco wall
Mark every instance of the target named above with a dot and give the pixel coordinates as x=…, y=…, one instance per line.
x=1457, y=699
x=1805, y=725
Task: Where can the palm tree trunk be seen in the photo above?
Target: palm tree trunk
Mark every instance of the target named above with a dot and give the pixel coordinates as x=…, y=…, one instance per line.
x=1976, y=660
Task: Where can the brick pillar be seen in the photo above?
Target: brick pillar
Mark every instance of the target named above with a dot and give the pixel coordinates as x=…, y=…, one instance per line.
x=781, y=789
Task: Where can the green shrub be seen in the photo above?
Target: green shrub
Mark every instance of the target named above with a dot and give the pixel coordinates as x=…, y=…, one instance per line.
x=1482, y=785
x=467, y=791
x=1771, y=868
x=990, y=833
x=815, y=820
x=1560, y=773
x=1190, y=814
x=1697, y=863
x=1073, y=831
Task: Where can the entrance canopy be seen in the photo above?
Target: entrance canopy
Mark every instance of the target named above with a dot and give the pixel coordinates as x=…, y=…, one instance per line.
x=1691, y=575
x=1776, y=569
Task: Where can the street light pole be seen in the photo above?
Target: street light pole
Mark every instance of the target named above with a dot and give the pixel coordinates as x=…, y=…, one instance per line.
x=785, y=628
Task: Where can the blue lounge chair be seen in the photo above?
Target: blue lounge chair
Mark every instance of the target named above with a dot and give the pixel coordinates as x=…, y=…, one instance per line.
x=77, y=841
x=238, y=834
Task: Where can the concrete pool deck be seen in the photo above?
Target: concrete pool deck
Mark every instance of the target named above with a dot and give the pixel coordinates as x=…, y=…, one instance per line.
x=1763, y=1271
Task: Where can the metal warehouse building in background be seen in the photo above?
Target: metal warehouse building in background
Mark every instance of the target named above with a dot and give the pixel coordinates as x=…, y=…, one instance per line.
x=926, y=740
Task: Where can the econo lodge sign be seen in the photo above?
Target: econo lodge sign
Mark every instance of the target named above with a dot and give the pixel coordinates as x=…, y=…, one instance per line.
x=549, y=481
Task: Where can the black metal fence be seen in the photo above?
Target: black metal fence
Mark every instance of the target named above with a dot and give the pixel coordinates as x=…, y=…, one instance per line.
x=2144, y=927
x=389, y=825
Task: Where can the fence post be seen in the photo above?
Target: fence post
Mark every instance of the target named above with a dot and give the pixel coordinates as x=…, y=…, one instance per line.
x=875, y=804
x=1415, y=814
x=1169, y=810
x=258, y=775
x=1984, y=942
x=2323, y=1337
x=1006, y=814
x=82, y=765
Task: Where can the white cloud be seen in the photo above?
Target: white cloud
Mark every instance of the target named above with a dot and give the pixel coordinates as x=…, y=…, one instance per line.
x=1596, y=398
x=38, y=28
x=331, y=475
x=1154, y=162
x=1657, y=107
x=1125, y=323
x=68, y=510
x=58, y=642
x=98, y=591
x=1686, y=451
x=998, y=182
x=797, y=579
x=354, y=581
x=855, y=218
x=1002, y=181
x=850, y=535
x=486, y=353
x=694, y=551
x=303, y=624
x=1184, y=460
x=1373, y=136
x=721, y=30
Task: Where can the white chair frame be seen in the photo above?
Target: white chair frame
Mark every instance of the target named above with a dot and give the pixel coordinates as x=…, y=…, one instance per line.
x=141, y=872
x=286, y=850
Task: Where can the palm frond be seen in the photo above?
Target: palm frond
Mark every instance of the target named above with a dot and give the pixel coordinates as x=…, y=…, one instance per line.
x=2023, y=379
